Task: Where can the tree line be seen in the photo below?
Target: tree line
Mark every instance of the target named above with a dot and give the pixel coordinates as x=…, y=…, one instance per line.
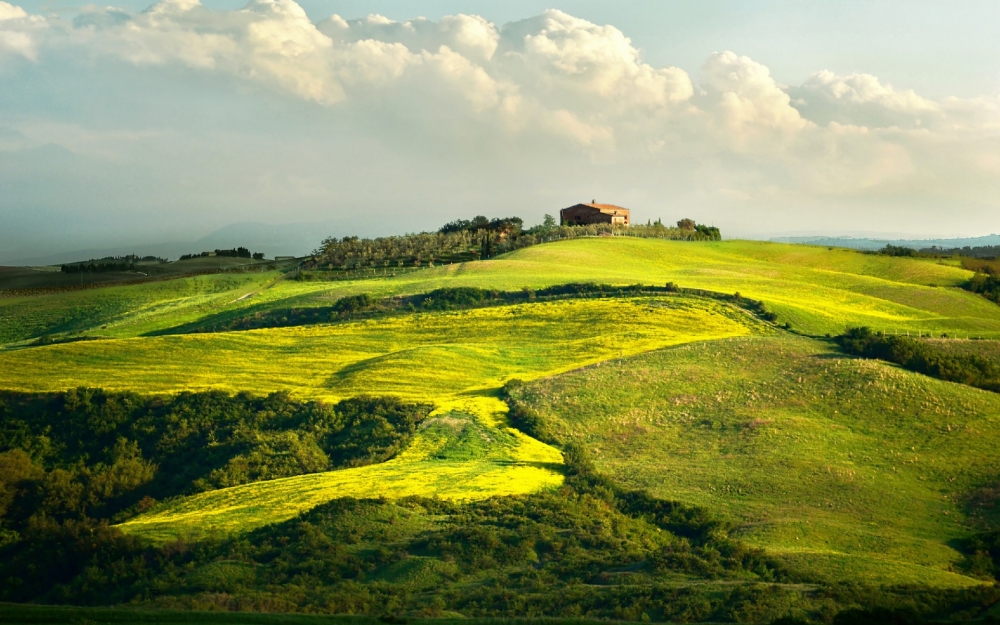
x=364, y=306
x=101, y=267
x=477, y=239
x=109, y=263
x=236, y=252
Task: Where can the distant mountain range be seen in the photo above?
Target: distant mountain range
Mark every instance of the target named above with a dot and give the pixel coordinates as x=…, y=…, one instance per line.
x=874, y=244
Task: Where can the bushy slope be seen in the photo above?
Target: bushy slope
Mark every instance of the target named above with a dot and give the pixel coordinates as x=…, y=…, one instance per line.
x=462, y=453
x=850, y=468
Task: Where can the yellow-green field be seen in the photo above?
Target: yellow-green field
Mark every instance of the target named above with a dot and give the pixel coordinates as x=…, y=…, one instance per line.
x=428, y=356
x=854, y=469
x=498, y=461
x=457, y=360
x=816, y=289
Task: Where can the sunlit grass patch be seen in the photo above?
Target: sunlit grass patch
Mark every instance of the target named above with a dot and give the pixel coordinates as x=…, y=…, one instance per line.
x=815, y=454
x=428, y=356
x=461, y=453
x=817, y=289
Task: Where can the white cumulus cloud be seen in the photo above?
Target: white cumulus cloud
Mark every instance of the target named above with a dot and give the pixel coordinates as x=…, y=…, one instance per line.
x=555, y=84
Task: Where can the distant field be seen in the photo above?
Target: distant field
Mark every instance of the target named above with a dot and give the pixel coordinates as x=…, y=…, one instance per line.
x=121, y=309
x=816, y=289
x=51, y=277
x=851, y=469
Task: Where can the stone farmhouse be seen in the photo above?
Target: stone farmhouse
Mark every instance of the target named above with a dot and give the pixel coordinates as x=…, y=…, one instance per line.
x=594, y=213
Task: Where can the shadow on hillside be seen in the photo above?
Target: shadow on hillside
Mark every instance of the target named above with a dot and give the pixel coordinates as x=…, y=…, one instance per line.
x=212, y=323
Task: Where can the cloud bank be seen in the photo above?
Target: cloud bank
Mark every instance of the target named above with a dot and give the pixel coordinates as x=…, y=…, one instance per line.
x=555, y=87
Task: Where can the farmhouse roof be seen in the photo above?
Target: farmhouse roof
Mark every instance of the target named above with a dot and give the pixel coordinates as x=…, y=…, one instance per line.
x=609, y=208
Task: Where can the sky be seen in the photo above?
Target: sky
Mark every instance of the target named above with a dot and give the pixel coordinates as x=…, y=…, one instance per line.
x=138, y=124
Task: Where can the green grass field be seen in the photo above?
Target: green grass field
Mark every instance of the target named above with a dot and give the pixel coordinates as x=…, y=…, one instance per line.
x=457, y=360
x=847, y=469
x=816, y=289
x=851, y=468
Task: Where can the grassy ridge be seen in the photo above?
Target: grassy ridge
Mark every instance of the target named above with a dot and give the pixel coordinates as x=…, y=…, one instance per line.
x=817, y=289
x=121, y=309
x=847, y=467
x=426, y=356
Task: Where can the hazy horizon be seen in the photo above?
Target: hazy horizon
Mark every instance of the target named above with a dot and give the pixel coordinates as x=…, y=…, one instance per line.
x=143, y=125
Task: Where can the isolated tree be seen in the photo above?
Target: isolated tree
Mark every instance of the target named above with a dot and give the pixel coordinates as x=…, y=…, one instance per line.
x=686, y=224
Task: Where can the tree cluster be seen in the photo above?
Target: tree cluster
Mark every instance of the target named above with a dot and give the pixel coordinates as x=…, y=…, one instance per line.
x=896, y=250
x=983, y=251
x=478, y=238
x=364, y=306
x=101, y=267
x=236, y=252
x=986, y=284
x=509, y=226
x=89, y=454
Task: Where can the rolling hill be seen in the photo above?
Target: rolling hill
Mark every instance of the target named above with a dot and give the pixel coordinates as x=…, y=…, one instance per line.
x=817, y=290
x=789, y=463
x=846, y=467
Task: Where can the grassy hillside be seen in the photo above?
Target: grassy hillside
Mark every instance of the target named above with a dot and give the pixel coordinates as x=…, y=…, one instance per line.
x=121, y=309
x=817, y=289
x=455, y=360
x=847, y=467
x=422, y=356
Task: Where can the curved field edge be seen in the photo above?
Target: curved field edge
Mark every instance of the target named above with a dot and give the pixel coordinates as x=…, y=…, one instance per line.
x=846, y=468
x=426, y=356
x=463, y=452
x=457, y=360
x=818, y=290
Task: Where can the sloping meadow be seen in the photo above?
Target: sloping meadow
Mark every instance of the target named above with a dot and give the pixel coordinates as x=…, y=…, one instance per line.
x=847, y=468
